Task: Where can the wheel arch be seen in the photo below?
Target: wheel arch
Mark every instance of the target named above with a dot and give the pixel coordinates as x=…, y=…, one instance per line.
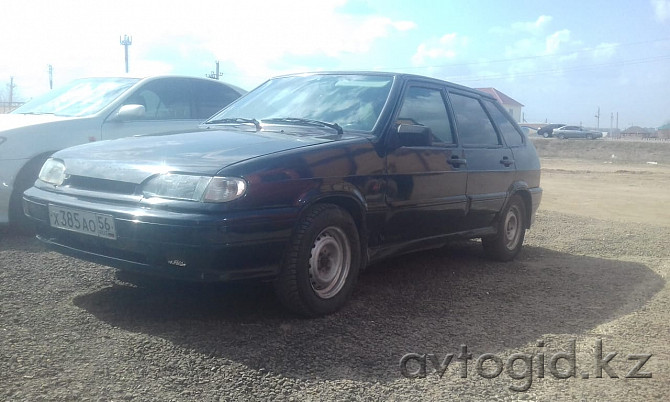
x=354, y=206
x=522, y=190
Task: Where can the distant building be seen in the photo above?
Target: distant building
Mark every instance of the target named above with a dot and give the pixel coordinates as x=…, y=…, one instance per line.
x=664, y=131
x=638, y=132
x=512, y=106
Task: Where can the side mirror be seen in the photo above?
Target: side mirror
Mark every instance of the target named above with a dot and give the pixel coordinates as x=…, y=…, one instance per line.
x=130, y=112
x=410, y=135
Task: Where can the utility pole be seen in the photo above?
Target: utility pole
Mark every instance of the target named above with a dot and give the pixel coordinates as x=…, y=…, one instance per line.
x=214, y=75
x=611, y=125
x=125, y=42
x=51, y=76
x=11, y=91
x=597, y=116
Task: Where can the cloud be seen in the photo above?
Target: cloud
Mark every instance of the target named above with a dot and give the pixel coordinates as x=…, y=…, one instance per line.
x=661, y=9
x=554, y=41
x=444, y=48
x=82, y=38
x=604, y=51
x=532, y=27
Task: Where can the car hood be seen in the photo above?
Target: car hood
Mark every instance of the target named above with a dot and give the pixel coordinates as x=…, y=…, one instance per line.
x=134, y=159
x=13, y=121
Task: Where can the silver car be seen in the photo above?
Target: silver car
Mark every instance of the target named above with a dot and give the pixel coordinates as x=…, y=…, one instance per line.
x=576, y=132
x=95, y=109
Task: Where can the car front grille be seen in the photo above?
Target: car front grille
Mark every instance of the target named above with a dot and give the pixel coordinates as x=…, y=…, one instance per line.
x=100, y=185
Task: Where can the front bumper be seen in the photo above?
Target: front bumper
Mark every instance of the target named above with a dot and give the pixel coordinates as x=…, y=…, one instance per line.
x=188, y=246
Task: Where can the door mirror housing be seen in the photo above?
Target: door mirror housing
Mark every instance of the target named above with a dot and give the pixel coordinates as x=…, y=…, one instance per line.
x=130, y=112
x=412, y=135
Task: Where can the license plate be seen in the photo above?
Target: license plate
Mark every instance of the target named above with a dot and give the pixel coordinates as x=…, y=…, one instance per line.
x=79, y=221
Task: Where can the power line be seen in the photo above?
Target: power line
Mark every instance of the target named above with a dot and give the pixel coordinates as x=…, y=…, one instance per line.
x=562, y=70
x=533, y=57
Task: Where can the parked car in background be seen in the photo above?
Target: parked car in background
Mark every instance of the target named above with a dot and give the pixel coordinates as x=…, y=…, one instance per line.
x=548, y=130
x=302, y=182
x=528, y=130
x=94, y=109
x=576, y=132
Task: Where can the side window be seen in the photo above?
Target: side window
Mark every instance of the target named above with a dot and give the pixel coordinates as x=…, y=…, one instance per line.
x=165, y=99
x=474, y=126
x=210, y=97
x=426, y=107
x=512, y=137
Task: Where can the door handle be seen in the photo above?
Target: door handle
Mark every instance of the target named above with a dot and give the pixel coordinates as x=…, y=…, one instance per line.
x=455, y=161
x=507, y=161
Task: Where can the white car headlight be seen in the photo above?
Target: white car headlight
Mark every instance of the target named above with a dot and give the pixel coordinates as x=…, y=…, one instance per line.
x=53, y=172
x=195, y=188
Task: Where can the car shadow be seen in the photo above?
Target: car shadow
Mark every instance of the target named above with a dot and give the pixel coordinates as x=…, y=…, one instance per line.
x=431, y=302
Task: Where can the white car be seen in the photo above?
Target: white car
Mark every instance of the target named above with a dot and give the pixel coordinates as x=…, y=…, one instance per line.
x=95, y=109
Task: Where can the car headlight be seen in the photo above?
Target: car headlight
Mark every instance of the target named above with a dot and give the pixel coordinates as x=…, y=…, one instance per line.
x=195, y=188
x=53, y=172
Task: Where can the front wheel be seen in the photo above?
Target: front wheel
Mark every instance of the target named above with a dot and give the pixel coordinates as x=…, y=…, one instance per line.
x=546, y=135
x=322, y=262
x=506, y=244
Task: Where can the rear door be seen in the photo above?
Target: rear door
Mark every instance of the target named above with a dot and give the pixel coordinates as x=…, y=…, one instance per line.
x=425, y=190
x=491, y=167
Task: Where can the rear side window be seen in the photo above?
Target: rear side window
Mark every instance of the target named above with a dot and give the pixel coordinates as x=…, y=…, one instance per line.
x=426, y=107
x=210, y=97
x=512, y=137
x=474, y=126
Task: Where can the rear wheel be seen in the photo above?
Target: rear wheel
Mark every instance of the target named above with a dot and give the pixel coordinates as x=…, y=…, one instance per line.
x=507, y=243
x=322, y=262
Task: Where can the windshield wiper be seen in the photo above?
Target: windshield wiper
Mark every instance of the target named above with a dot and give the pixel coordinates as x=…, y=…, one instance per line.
x=236, y=120
x=309, y=122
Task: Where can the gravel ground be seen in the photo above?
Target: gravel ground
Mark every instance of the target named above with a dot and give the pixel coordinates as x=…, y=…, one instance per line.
x=70, y=331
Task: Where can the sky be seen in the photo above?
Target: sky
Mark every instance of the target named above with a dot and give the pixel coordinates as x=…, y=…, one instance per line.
x=563, y=60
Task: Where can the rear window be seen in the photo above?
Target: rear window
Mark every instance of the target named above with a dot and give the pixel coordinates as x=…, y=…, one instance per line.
x=507, y=130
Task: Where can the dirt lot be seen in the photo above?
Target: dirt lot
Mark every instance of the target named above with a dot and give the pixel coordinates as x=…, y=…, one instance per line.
x=593, y=272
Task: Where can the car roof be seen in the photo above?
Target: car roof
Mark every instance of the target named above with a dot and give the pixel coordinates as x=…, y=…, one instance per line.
x=162, y=76
x=401, y=76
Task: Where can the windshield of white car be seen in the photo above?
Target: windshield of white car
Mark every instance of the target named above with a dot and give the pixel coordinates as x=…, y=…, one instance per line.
x=81, y=97
x=338, y=101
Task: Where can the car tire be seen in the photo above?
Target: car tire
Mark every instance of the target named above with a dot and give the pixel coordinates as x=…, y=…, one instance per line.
x=546, y=135
x=321, y=264
x=507, y=243
x=561, y=136
x=589, y=136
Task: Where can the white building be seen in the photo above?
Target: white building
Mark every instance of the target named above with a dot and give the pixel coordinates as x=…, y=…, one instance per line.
x=512, y=106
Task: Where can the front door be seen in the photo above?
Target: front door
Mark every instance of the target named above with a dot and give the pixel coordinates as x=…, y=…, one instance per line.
x=168, y=104
x=425, y=190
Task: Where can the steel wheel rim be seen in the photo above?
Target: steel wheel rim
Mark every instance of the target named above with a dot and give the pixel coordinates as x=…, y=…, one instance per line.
x=329, y=262
x=511, y=228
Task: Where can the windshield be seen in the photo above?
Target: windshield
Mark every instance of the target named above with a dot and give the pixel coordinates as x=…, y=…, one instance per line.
x=79, y=98
x=352, y=101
